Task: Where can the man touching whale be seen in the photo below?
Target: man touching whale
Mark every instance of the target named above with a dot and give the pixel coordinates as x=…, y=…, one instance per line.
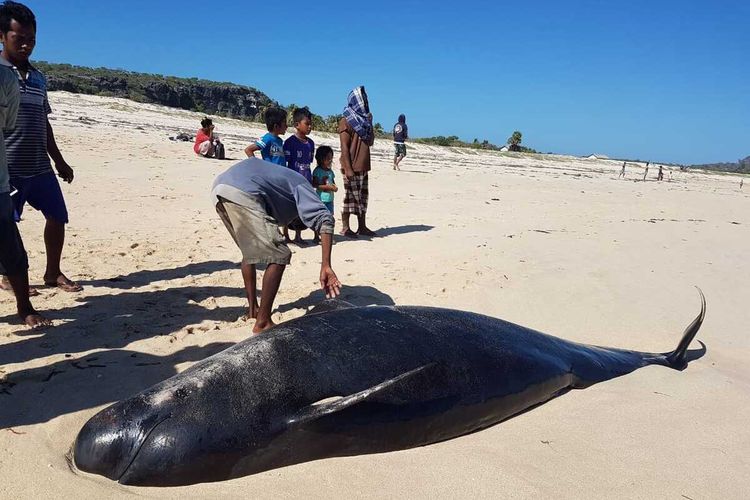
x=253, y=198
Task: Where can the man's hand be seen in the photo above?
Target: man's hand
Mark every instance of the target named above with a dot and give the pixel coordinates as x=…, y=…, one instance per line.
x=64, y=171
x=329, y=282
x=349, y=173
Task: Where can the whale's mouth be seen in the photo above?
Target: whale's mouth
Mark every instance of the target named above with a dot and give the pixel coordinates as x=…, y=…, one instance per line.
x=135, y=453
x=103, y=448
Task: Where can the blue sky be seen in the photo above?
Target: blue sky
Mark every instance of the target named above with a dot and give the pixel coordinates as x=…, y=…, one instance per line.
x=666, y=81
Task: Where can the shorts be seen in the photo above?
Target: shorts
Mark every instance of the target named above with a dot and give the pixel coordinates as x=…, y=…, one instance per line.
x=400, y=149
x=254, y=231
x=204, y=147
x=329, y=205
x=13, y=259
x=41, y=192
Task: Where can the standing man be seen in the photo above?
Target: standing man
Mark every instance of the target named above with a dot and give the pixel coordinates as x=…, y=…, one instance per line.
x=356, y=135
x=13, y=260
x=32, y=143
x=400, y=134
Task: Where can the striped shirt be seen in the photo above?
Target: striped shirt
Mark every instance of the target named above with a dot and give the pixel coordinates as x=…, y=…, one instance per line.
x=26, y=146
x=8, y=110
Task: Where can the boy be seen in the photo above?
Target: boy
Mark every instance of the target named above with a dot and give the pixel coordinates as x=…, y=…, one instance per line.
x=271, y=146
x=13, y=260
x=253, y=198
x=400, y=134
x=32, y=143
x=298, y=150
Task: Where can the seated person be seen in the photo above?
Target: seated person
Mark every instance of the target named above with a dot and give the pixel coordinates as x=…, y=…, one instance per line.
x=206, y=143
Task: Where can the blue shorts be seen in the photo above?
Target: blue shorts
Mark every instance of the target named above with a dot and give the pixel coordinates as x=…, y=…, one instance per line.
x=329, y=205
x=41, y=192
x=13, y=258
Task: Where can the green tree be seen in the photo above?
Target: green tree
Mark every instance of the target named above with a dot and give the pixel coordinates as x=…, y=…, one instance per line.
x=515, y=138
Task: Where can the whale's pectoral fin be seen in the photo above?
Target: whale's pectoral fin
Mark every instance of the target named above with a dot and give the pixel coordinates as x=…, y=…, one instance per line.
x=330, y=305
x=334, y=405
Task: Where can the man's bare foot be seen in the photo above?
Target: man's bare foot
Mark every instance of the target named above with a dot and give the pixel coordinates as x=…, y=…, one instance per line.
x=363, y=231
x=252, y=313
x=63, y=283
x=348, y=233
x=5, y=285
x=34, y=320
x=259, y=328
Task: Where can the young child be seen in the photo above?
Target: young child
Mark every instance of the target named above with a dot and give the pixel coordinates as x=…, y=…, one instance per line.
x=298, y=150
x=324, y=180
x=271, y=146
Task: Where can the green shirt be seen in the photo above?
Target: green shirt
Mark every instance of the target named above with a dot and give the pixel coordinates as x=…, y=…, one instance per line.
x=321, y=177
x=9, y=98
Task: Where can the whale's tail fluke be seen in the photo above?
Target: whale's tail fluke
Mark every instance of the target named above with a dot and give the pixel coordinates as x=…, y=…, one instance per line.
x=678, y=358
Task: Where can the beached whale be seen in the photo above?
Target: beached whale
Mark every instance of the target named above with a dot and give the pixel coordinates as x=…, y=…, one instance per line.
x=344, y=381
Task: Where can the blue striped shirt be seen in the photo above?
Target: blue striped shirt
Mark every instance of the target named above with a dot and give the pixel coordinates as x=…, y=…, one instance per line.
x=26, y=146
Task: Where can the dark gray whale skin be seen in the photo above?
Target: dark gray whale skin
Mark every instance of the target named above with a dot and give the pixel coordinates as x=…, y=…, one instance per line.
x=344, y=381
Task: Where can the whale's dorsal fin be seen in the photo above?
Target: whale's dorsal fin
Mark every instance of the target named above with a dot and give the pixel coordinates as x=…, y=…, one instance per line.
x=333, y=405
x=330, y=305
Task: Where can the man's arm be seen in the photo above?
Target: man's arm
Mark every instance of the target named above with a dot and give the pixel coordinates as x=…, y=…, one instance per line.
x=63, y=169
x=328, y=280
x=346, y=162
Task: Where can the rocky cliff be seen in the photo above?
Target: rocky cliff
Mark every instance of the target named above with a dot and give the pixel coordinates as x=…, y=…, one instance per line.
x=226, y=99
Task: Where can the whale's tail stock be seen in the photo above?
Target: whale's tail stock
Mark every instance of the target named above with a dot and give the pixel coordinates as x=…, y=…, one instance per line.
x=678, y=359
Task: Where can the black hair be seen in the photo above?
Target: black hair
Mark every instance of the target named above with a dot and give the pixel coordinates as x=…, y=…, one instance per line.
x=275, y=116
x=300, y=114
x=18, y=11
x=321, y=153
x=402, y=118
x=206, y=122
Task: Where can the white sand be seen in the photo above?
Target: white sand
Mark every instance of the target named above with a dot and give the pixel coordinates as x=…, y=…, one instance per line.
x=551, y=242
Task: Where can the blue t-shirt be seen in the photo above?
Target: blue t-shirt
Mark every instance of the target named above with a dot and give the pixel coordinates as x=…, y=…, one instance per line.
x=299, y=156
x=272, y=149
x=323, y=176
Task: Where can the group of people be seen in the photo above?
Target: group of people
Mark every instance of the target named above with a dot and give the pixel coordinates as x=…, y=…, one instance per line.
x=659, y=176
x=26, y=173
x=256, y=196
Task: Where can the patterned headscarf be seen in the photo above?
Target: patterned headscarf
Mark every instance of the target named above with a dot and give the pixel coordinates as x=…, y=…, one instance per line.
x=356, y=114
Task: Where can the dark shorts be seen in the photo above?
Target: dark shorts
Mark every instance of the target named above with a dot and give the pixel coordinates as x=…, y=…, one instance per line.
x=41, y=192
x=329, y=205
x=13, y=258
x=400, y=149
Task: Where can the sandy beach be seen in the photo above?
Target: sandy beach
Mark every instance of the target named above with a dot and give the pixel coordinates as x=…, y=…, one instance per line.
x=555, y=243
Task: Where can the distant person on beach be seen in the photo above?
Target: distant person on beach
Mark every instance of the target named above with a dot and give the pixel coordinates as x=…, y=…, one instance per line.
x=253, y=198
x=207, y=144
x=646, y=172
x=13, y=259
x=400, y=134
x=324, y=179
x=271, y=146
x=622, y=171
x=742, y=181
x=298, y=151
x=357, y=136
x=32, y=143
x=660, y=176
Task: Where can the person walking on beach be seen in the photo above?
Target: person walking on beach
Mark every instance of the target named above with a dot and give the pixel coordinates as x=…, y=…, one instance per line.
x=646, y=172
x=660, y=176
x=400, y=134
x=271, y=146
x=13, y=260
x=207, y=144
x=253, y=198
x=32, y=143
x=356, y=135
x=622, y=171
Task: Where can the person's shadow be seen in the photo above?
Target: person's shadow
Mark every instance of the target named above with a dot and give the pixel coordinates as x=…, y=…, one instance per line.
x=357, y=295
x=40, y=394
x=148, y=276
x=387, y=231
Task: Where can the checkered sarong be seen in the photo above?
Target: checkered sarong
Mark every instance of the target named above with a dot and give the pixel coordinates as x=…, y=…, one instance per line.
x=356, y=194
